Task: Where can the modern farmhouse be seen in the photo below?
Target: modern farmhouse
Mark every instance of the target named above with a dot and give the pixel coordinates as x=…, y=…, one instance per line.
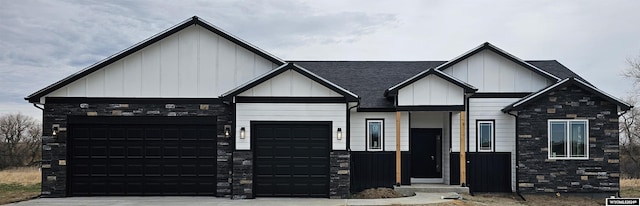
x=195, y=110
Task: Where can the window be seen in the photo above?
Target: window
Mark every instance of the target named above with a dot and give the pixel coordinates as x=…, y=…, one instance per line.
x=486, y=131
x=568, y=139
x=375, y=134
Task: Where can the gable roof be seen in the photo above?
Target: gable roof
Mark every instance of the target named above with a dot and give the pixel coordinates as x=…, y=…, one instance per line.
x=491, y=47
x=474, y=51
x=370, y=79
x=565, y=82
x=290, y=66
x=35, y=97
x=394, y=90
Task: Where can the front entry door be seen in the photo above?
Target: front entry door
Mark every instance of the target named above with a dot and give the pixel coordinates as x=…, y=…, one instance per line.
x=426, y=155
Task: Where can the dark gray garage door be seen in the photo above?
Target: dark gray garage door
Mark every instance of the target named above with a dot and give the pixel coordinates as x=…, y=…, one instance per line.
x=292, y=159
x=142, y=156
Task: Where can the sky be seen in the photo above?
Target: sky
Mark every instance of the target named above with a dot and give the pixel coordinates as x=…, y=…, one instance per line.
x=42, y=42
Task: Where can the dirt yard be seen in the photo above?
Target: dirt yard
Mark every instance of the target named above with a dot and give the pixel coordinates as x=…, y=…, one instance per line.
x=19, y=184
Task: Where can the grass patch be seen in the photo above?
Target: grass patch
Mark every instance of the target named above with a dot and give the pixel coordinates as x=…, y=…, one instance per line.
x=17, y=192
x=19, y=184
x=630, y=188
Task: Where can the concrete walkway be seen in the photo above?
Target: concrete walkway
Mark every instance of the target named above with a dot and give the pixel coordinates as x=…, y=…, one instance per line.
x=419, y=199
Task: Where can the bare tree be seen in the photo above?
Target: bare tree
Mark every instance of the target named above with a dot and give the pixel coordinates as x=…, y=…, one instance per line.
x=630, y=142
x=633, y=72
x=630, y=126
x=19, y=140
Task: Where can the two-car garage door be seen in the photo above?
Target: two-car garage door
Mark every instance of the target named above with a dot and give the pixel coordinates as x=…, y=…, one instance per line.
x=142, y=156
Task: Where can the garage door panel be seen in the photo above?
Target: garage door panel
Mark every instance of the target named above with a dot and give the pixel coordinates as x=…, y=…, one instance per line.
x=164, y=158
x=292, y=159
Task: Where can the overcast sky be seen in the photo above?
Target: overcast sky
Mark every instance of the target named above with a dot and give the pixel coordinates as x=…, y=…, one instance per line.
x=42, y=42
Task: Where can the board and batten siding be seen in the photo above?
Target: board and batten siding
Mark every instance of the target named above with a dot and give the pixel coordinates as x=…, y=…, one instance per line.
x=291, y=84
x=192, y=63
x=359, y=130
x=333, y=112
x=490, y=72
x=505, y=127
x=431, y=90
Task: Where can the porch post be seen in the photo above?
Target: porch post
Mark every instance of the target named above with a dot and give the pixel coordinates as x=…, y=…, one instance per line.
x=463, y=157
x=398, y=156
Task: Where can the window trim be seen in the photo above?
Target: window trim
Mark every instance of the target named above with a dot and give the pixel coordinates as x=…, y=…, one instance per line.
x=493, y=134
x=367, y=139
x=567, y=139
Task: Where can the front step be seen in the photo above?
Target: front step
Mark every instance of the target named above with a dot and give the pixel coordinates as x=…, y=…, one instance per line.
x=431, y=188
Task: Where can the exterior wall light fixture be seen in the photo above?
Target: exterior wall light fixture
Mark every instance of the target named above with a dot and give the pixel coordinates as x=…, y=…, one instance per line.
x=227, y=131
x=54, y=129
x=242, y=133
x=339, y=134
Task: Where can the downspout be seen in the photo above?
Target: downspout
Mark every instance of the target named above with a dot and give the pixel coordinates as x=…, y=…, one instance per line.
x=348, y=138
x=517, y=163
x=36, y=105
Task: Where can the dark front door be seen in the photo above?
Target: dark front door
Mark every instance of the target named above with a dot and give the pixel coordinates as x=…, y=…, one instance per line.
x=425, y=147
x=291, y=158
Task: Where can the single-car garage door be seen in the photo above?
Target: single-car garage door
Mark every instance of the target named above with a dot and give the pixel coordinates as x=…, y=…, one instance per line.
x=142, y=156
x=291, y=158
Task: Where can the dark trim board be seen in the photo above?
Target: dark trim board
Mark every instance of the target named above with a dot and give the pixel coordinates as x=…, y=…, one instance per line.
x=291, y=100
x=79, y=100
x=376, y=109
x=431, y=108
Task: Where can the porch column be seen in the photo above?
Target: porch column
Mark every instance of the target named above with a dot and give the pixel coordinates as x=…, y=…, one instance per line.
x=463, y=157
x=398, y=156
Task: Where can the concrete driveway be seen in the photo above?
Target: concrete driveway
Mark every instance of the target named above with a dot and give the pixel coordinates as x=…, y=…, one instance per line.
x=419, y=199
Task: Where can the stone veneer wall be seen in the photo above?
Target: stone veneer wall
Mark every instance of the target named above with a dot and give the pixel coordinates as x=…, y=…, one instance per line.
x=339, y=185
x=54, y=149
x=242, y=175
x=538, y=173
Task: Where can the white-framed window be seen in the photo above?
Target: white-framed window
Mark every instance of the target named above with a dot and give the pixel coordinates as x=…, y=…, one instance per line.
x=375, y=134
x=568, y=139
x=485, y=130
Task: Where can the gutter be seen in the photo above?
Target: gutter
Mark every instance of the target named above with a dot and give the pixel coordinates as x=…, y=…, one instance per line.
x=517, y=167
x=349, y=123
x=36, y=106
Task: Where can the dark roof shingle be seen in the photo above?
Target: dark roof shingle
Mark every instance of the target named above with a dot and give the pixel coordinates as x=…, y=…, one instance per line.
x=369, y=79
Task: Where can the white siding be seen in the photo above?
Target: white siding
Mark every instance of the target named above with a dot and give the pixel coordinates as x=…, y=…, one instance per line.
x=194, y=62
x=505, y=126
x=490, y=72
x=247, y=112
x=455, y=132
x=290, y=84
x=431, y=90
x=358, y=130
